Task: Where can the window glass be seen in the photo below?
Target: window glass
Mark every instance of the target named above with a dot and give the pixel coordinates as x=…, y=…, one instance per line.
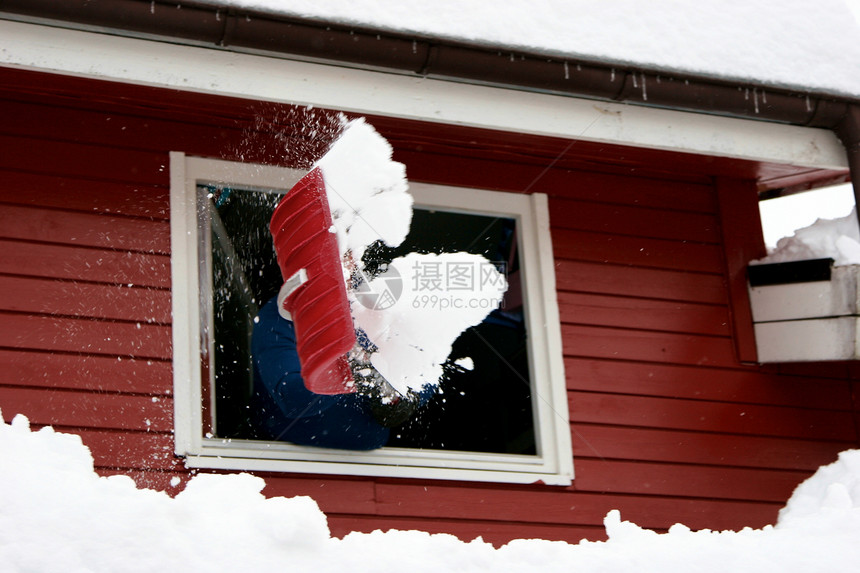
x=242, y=275
x=485, y=406
x=484, y=402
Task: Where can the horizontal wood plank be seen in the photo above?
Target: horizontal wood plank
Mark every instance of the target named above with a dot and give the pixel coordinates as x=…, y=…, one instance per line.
x=74, y=298
x=111, y=449
x=505, y=167
x=101, y=162
x=47, y=407
x=643, y=345
x=637, y=251
x=219, y=127
x=836, y=369
x=603, y=476
x=742, y=385
x=703, y=416
x=332, y=493
x=84, y=264
x=76, y=372
x=84, y=229
x=85, y=195
x=169, y=482
x=632, y=220
x=572, y=507
x=640, y=444
x=624, y=280
x=644, y=314
x=85, y=336
x=125, y=450
x=617, y=189
x=80, y=93
x=119, y=128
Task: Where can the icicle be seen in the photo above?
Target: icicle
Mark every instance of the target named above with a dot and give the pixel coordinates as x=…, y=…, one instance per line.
x=755, y=99
x=217, y=15
x=612, y=75
x=578, y=67
x=566, y=71
x=635, y=83
x=152, y=7
x=808, y=104
x=644, y=88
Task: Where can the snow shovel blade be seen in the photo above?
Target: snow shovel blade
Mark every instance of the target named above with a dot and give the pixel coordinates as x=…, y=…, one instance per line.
x=302, y=231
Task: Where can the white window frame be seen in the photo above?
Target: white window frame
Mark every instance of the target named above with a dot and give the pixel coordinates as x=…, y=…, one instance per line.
x=553, y=463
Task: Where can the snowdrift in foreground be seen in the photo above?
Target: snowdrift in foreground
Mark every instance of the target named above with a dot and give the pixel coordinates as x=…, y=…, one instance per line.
x=837, y=239
x=57, y=515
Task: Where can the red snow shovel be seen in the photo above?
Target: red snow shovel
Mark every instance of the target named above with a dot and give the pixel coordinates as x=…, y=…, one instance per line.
x=314, y=291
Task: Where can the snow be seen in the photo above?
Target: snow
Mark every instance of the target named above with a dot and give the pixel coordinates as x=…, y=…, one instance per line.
x=367, y=192
x=838, y=239
x=416, y=334
x=782, y=216
x=795, y=44
x=58, y=515
x=416, y=327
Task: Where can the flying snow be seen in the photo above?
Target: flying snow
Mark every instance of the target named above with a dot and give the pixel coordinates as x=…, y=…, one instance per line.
x=415, y=334
x=413, y=327
x=367, y=192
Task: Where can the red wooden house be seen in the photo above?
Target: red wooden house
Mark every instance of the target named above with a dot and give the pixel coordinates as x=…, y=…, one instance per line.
x=635, y=215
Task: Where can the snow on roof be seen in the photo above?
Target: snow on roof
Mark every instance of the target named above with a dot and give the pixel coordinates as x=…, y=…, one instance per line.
x=793, y=44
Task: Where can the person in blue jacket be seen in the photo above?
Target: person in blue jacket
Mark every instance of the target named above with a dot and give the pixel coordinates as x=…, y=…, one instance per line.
x=282, y=409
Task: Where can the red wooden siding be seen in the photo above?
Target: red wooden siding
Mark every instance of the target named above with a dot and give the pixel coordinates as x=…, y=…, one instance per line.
x=667, y=424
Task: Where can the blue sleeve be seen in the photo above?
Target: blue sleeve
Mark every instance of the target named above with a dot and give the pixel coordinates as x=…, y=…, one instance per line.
x=426, y=393
x=277, y=366
x=283, y=409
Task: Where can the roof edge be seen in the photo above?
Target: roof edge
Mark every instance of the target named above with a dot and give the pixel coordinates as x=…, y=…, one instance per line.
x=200, y=23
x=247, y=30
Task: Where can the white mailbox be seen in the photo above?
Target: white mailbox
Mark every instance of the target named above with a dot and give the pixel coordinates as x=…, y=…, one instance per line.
x=805, y=311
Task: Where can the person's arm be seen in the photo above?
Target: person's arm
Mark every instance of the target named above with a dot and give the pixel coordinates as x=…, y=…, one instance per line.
x=276, y=361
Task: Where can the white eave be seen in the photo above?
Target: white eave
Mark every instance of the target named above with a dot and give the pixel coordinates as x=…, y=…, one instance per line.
x=276, y=79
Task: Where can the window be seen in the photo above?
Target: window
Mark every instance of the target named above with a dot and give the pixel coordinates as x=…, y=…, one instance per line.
x=504, y=420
